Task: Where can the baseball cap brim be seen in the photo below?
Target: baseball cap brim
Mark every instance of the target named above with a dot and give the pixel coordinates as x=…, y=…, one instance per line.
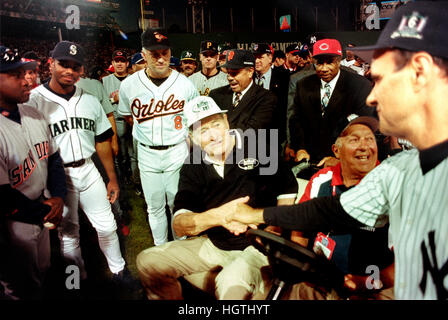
x=158, y=47
x=27, y=65
x=206, y=116
x=371, y=122
x=366, y=52
x=69, y=58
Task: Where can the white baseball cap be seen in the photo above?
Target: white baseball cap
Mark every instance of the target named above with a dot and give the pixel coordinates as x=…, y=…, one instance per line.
x=199, y=108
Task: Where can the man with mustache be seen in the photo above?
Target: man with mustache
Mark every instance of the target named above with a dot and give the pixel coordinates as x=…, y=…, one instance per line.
x=188, y=63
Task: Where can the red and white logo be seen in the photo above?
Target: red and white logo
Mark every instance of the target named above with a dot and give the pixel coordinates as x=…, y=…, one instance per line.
x=324, y=46
x=230, y=55
x=159, y=37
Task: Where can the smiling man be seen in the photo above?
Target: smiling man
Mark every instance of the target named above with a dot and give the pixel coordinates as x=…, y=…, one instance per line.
x=226, y=171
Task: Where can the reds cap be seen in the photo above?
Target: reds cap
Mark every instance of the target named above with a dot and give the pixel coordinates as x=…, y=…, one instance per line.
x=187, y=55
x=415, y=26
x=239, y=59
x=261, y=48
x=154, y=40
x=10, y=60
x=118, y=54
x=344, y=123
x=330, y=47
x=66, y=50
x=200, y=108
x=208, y=45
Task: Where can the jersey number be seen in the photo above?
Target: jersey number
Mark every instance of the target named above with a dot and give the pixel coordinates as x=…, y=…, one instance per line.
x=178, y=122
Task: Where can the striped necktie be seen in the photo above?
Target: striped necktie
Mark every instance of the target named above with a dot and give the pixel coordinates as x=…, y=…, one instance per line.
x=326, y=97
x=237, y=99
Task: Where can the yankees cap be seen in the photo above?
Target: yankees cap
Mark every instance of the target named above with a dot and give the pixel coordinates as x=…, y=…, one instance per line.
x=344, y=123
x=328, y=47
x=66, y=50
x=261, y=48
x=10, y=60
x=154, y=40
x=187, y=55
x=415, y=26
x=239, y=59
x=200, y=108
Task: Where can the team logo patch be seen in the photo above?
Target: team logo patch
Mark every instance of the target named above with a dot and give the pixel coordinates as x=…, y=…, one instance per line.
x=248, y=164
x=230, y=55
x=324, y=46
x=159, y=37
x=411, y=27
x=188, y=54
x=73, y=50
x=200, y=107
x=313, y=39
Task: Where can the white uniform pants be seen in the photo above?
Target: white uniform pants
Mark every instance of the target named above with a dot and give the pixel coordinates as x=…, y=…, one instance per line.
x=159, y=175
x=86, y=189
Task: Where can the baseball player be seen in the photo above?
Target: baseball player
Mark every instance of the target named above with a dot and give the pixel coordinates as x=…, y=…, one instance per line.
x=188, y=63
x=80, y=127
x=29, y=164
x=153, y=99
x=409, y=69
x=209, y=77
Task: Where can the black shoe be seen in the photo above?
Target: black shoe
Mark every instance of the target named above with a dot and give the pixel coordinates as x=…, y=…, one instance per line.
x=138, y=190
x=125, y=281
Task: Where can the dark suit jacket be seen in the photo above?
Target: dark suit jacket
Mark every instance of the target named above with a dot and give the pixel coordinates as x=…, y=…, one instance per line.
x=279, y=86
x=255, y=110
x=308, y=128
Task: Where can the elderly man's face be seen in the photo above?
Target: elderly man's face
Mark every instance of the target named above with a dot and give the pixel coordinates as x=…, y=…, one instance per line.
x=212, y=134
x=327, y=67
x=357, y=150
x=263, y=62
x=239, y=79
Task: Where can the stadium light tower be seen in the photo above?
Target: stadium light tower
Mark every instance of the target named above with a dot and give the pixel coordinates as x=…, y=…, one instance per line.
x=197, y=14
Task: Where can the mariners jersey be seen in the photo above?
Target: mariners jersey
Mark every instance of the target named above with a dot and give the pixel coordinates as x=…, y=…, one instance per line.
x=157, y=110
x=74, y=124
x=206, y=84
x=416, y=203
x=24, y=151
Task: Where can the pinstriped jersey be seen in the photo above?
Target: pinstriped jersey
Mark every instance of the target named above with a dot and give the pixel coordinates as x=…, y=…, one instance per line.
x=157, y=110
x=206, y=84
x=73, y=124
x=24, y=151
x=416, y=205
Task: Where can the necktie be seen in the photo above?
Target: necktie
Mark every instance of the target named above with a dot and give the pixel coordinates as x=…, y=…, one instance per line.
x=261, y=81
x=326, y=97
x=237, y=99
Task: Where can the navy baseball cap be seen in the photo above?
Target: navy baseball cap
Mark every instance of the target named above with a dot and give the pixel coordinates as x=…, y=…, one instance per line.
x=66, y=50
x=415, y=26
x=10, y=60
x=293, y=48
x=344, y=123
x=239, y=59
x=174, y=62
x=154, y=40
x=136, y=58
x=261, y=48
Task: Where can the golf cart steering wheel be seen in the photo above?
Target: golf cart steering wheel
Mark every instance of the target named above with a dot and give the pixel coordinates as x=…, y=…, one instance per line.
x=292, y=263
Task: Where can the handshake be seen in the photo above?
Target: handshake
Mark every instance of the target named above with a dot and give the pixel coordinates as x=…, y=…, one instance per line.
x=237, y=216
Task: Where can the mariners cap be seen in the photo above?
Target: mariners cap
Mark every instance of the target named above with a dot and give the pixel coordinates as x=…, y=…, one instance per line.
x=344, y=123
x=261, y=48
x=328, y=47
x=293, y=48
x=208, y=45
x=154, y=40
x=66, y=50
x=136, y=58
x=415, y=26
x=187, y=55
x=200, y=108
x=119, y=54
x=239, y=59
x=10, y=60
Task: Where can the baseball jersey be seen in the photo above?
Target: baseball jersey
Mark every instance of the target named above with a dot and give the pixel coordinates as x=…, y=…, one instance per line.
x=410, y=189
x=74, y=124
x=157, y=110
x=206, y=84
x=112, y=84
x=24, y=151
x=95, y=88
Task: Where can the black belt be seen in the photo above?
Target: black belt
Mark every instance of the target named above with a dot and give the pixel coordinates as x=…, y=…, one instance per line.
x=158, y=147
x=75, y=164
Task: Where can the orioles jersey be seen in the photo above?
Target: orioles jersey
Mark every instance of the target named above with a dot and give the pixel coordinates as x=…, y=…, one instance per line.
x=74, y=124
x=24, y=151
x=157, y=111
